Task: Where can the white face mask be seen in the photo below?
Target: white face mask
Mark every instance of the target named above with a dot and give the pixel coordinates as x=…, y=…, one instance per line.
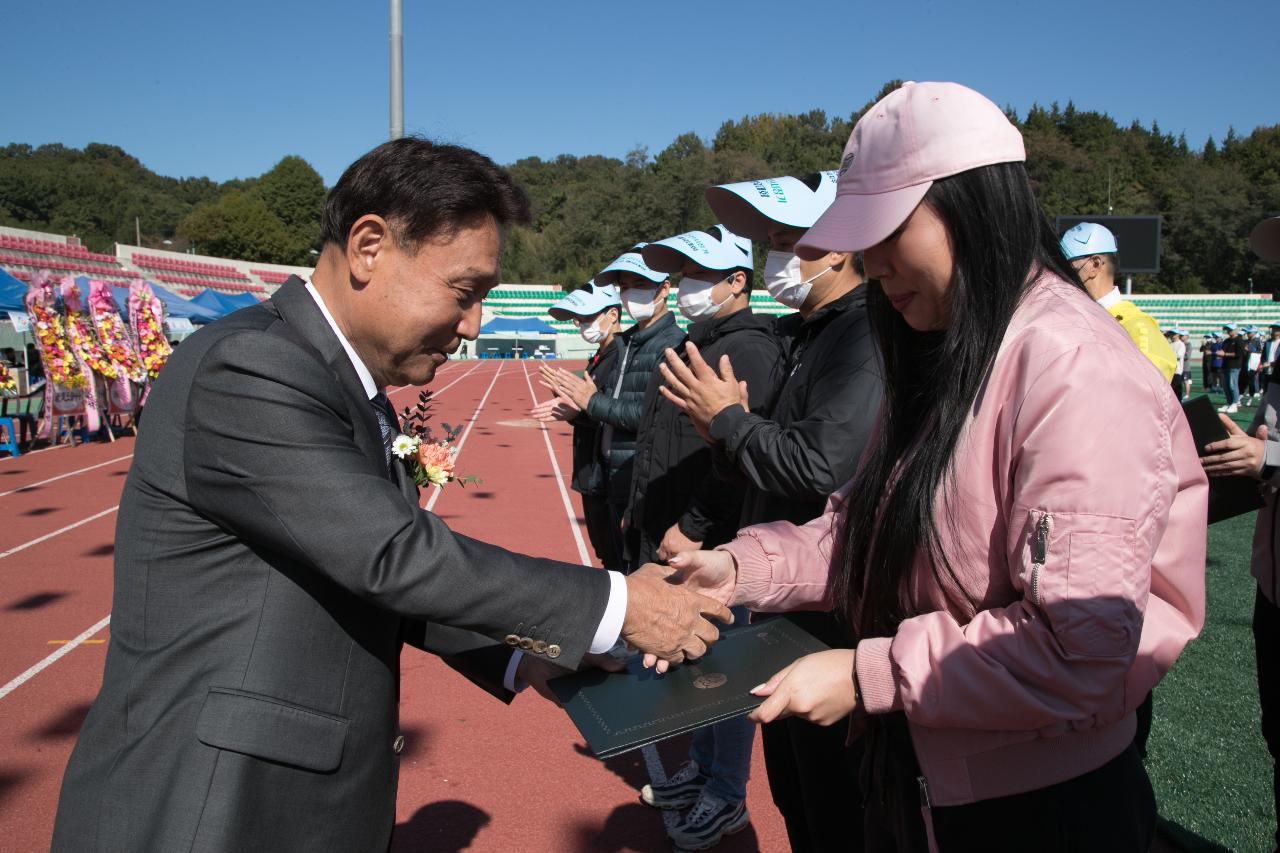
x=639, y=302
x=782, y=279
x=694, y=299
x=591, y=332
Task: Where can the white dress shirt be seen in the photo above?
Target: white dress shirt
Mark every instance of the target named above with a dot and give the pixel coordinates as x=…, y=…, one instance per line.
x=1111, y=297
x=610, y=627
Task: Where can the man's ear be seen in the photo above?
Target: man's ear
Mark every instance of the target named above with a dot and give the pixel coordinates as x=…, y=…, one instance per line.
x=738, y=282
x=369, y=238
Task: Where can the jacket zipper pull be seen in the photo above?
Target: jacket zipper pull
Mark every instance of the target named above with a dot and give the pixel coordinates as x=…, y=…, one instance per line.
x=926, y=812
x=1039, y=552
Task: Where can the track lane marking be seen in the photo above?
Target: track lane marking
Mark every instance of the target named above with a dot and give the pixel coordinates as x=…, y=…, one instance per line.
x=45, y=538
x=435, y=496
x=64, y=476
x=555, y=467
x=54, y=657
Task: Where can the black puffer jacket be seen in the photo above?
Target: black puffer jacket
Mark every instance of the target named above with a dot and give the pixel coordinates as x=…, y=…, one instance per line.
x=825, y=411
x=673, y=480
x=590, y=471
x=641, y=349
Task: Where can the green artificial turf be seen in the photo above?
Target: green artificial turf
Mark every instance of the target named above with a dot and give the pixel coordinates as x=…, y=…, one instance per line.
x=1207, y=761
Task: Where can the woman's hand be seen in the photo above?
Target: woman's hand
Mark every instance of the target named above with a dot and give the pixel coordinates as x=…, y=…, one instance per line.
x=819, y=688
x=1236, y=455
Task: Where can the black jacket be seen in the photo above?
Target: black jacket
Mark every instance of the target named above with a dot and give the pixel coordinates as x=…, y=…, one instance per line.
x=673, y=479
x=641, y=349
x=825, y=411
x=590, y=470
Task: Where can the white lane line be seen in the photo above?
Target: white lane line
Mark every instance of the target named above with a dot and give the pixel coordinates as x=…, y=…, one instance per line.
x=583, y=557
x=435, y=496
x=45, y=538
x=434, y=394
x=64, y=476
x=53, y=658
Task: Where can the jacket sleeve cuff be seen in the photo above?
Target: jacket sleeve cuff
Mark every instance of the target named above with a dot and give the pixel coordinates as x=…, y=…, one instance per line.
x=877, y=676
x=694, y=526
x=724, y=425
x=754, y=571
x=1271, y=455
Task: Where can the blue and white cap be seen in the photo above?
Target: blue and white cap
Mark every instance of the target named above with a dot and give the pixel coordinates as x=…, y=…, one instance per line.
x=716, y=248
x=1229, y=327
x=1088, y=238
x=586, y=301
x=749, y=207
x=630, y=261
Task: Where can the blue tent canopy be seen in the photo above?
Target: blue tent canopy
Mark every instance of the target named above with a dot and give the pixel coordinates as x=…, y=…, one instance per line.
x=223, y=303
x=517, y=325
x=11, y=293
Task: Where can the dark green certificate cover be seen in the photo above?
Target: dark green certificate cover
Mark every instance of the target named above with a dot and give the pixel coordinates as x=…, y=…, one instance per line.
x=620, y=711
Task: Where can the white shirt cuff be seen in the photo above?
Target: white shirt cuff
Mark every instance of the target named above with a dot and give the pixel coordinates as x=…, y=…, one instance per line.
x=509, y=680
x=614, y=612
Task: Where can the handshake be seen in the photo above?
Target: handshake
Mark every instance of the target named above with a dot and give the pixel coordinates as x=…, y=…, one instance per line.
x=669, y=615
x=669, y=607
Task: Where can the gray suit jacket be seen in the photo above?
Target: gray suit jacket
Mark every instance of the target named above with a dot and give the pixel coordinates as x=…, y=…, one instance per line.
x=267, y=570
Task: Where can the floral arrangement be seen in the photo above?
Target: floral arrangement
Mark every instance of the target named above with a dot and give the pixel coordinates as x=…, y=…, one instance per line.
x=429, y=459
x=146, y=315
x=8, y=384
x=60, y=363
x=112, y=335
x=80, y=333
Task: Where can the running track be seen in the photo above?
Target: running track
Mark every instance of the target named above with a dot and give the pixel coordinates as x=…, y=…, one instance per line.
x=475, y=774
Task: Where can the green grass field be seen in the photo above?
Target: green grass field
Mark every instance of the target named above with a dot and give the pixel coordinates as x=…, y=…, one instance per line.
x=1206, y=757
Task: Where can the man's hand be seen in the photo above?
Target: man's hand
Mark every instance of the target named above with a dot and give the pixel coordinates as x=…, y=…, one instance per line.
x=667, y=620
x=698, y=391
x=674, y=541
x=710, y=573
x=1236, y=455
x=536, y=671
x=819, y=688
x=578, y=390
x=555, y=409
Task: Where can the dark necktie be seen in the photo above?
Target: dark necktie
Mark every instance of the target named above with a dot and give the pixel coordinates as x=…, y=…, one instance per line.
x=386, y=422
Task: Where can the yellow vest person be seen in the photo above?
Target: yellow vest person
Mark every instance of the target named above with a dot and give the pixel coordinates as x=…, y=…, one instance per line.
x=1091, y=249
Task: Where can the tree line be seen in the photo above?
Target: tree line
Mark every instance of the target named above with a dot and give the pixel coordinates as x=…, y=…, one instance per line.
x=589, y=209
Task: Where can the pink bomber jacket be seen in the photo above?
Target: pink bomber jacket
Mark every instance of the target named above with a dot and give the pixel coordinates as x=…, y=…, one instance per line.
x=1078, y=530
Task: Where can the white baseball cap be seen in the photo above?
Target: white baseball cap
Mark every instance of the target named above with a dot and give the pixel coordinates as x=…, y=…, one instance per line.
x=630, y=261
x=750, y=207
x=586, y=301
x=1087, y=238
x=716, y=248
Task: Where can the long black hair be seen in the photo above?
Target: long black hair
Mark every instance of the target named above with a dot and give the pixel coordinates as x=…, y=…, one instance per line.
x=1000, y=239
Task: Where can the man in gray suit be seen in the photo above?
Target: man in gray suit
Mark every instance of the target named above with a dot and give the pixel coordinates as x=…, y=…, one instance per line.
x=271, y=557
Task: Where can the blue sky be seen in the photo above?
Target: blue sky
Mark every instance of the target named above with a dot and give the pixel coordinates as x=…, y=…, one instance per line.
x=226, y=89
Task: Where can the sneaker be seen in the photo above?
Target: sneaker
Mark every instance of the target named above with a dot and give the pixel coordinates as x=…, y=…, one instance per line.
x=678, y=792
x=1233, y=408
x=710, y=820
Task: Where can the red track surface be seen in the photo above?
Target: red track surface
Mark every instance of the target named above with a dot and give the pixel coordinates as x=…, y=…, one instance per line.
x=475, y=774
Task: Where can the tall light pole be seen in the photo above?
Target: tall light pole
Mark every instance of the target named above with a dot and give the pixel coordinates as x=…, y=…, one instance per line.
x=397, y=69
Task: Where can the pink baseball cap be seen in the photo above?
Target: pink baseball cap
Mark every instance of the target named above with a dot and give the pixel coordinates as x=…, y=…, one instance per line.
x=916, y=134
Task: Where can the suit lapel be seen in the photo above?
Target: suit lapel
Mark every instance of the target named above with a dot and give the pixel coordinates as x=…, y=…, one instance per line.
x=303, y=316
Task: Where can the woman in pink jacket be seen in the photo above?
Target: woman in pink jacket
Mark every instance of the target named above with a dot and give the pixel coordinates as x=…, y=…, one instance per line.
x=1022, y=550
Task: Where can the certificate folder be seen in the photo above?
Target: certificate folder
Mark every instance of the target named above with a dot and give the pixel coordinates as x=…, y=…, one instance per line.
x=620, y=711
x=1228, y=496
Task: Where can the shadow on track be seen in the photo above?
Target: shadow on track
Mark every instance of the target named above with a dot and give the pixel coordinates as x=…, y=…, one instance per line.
x=35, y=602
x=448, y=826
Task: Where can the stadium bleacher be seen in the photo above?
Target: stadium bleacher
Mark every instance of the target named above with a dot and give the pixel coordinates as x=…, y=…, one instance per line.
x=23, y=253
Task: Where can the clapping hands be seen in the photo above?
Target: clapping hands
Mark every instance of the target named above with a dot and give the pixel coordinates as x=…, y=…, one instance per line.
x=573, y=389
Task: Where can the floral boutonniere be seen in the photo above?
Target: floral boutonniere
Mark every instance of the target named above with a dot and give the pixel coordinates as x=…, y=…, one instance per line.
x=429, y=459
